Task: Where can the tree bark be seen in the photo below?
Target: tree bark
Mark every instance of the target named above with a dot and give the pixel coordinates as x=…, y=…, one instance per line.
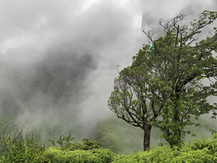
x=146, y=140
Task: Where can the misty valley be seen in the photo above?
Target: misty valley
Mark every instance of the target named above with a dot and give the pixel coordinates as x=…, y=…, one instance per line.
x=92, y=81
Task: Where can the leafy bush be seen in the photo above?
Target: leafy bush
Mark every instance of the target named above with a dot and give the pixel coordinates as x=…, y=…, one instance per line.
x=55, y=154
x=15, y=148
x=64, y=142
x=19, y=151
x=23, y=152
x=87, y=150
x=195, y=152
x=86, y=144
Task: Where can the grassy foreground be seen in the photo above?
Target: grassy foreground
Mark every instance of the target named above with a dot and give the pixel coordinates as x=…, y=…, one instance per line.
x=13, y=148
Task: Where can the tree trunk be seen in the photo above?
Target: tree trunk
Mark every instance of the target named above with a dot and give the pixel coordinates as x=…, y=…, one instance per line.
x=146, y=140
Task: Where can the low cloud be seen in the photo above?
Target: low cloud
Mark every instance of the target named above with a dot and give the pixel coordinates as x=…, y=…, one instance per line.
x=59, y=58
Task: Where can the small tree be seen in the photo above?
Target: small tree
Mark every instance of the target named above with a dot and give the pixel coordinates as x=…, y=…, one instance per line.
x=162, y=87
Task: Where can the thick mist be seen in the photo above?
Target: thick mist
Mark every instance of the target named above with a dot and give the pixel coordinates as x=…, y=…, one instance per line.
x=58, y=59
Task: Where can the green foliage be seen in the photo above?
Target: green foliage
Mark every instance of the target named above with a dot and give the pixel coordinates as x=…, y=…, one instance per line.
x=197, y=151
x=87, y=151
x=213, y=131
x=4, y=121
x=162, y=87
x=90, y=151
x=21, y=152
x=86, y=144
x=17, y=148
x=12, y=134
x=63, y=142
x=55, y=154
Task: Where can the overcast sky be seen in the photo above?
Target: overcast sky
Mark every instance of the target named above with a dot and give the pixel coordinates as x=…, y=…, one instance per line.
x=78, y=44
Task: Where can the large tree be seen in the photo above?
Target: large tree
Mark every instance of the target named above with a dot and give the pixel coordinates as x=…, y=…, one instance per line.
x=162, y=87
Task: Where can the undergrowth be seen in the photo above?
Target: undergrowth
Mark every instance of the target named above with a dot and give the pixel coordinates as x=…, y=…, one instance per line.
x=15, y=148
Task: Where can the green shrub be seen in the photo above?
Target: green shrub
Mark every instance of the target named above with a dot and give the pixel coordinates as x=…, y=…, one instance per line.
x=87, y=150
x=195, y=152
x=86, y=144
x=23, y=152
x=55, y=154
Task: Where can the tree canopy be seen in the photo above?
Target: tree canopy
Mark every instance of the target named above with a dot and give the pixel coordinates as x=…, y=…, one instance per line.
x=162, y=88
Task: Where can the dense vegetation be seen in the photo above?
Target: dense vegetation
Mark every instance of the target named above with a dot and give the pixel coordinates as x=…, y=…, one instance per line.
x=89, y=150
x=15, y=147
